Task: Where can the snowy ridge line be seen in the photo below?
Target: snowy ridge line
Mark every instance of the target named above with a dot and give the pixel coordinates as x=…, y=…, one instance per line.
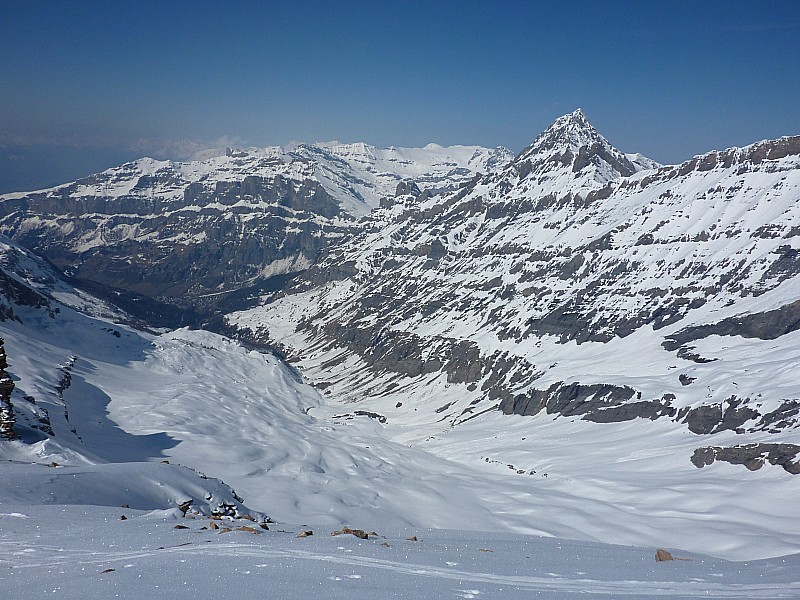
x=174, y=231
x=355, y=174
x=538, y=584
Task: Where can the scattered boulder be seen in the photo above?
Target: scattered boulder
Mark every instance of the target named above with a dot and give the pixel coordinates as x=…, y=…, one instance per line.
x=248, y=529
x=662, y=555
x=359, y=533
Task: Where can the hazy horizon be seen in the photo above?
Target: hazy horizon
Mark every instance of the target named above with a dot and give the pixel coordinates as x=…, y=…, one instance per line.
x=91, y=85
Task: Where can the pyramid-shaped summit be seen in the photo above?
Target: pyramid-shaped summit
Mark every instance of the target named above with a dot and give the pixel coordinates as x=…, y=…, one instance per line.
x=573, y=129
x=573, y=143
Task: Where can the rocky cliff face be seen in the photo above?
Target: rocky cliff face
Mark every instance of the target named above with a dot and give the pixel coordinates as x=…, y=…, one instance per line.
x=576, y=281
x=188, y=232
x=7, y=419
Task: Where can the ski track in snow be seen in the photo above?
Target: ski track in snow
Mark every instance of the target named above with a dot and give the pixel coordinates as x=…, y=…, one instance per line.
x=56, y=557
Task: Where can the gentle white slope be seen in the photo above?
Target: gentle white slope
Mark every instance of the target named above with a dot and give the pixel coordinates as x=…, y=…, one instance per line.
x=89, y=553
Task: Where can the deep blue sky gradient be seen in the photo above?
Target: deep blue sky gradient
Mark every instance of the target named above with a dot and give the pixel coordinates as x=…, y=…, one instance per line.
x=86, y=85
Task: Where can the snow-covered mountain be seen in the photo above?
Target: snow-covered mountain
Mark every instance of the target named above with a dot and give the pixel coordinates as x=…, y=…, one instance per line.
x=580, y=343
x=570, y=297
x=61, y=447
x=229, y=220
x=567, y=250
x=89, y=505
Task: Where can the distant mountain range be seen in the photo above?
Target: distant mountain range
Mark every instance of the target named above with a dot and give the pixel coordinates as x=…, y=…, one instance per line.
x=192, y=233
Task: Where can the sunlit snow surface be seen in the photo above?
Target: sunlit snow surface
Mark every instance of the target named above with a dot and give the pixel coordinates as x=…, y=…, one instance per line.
x=88, y=552
x=205, y=402
x=627, y=482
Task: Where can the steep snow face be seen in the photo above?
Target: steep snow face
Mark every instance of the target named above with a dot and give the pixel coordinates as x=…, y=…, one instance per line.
x=65, y=450
x=535, y=299
x=225, y=221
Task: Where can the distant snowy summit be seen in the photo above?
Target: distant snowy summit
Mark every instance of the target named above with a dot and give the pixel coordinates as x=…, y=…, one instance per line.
x=572, y=142
x=355, y=175
x=220, y=229
x=227, y=221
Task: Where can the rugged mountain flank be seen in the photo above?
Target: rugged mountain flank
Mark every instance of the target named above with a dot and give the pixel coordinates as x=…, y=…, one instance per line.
x=191, y=233
x=576, y=281
x=579, y=343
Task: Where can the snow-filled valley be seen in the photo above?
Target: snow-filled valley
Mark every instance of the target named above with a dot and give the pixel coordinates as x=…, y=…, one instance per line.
x=199, y=400
x=543, y=374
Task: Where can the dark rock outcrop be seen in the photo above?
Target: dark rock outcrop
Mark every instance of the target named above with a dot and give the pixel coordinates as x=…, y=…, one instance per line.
x=767, y=325
x=599, y=403
x=7, y=419
x=752, y=456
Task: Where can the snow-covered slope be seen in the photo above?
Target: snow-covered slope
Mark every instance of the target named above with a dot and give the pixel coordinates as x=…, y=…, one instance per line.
x=360, y=175
x=87, y=552
x=556, y=348
x=226, y=221
x=88, y=507
x=62, y=448
x=626, y=332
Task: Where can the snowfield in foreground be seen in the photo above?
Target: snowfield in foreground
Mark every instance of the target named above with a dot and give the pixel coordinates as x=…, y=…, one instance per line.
x=88, y=552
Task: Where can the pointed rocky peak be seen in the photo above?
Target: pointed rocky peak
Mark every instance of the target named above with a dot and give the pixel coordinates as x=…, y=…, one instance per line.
x=569, y=132
x=572, y=143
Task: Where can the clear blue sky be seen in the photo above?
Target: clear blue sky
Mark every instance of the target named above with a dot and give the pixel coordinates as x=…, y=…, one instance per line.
x=86, y=85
